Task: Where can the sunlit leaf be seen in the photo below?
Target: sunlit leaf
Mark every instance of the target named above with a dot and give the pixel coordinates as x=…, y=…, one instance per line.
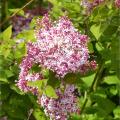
x=50, y=92
x=21, y=12
x=116, y=112
x=111, y=80
x=9, y=73
x=7, y=33
x=38, y=83
x=39, y=115
x=103, y=108
x=16, y=89
x=115, y=55
x=95, y=29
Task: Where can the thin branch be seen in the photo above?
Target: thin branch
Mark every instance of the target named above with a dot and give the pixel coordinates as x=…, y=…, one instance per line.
x=84, y=104
x=97, y=76
x=30, y=113
x=8, y=18
x=94, y=83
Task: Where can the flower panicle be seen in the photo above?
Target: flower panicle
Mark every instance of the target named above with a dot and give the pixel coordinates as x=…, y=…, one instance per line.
x=59, y=47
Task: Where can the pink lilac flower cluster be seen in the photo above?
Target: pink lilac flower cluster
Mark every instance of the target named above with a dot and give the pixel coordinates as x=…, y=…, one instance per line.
x=30, y=77
x=25, y=67
x=61, y=47
x=22, y=22
x=117, y=3
x=60, y=108
x=90, y=5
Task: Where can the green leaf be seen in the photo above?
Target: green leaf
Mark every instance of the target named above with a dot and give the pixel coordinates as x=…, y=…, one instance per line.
x=116, y=112
x=16, y=89
x=113, y=90
x=20, y=52
x=111, y=80
x=95, y=29
x=74, y=117
x=14, y=69
x=85, y=117
x=73, y=78
x=9, y=73
x=39, y=115
x=98, y=29
x=104, y=105
x=115, y=55
x=72, y=7
x=3, y=77
x=89, y=79
x=4, y=80
x=5, y=48
x=4, y=92
x=101, y=93
x=21, y=12
x=110, y=30
x=90, y=47
x=53, y=80
x=35, y=68
x=2, y=113
x=38, y=83
x=7, y=33
x=45, y=72
x=33, y=22
x=26, y=35
x=50, y=92
x=7, y=52
x=54, y=2
x=15, y=112
x=99, y=47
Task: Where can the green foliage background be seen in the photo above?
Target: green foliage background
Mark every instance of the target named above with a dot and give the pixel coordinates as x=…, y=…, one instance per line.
x=100, y=90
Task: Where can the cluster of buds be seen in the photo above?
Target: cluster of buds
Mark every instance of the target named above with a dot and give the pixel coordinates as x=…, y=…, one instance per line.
x=63, y=106
x=91, y=4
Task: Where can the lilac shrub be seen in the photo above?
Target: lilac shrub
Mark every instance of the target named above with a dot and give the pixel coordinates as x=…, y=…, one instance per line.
x=59, y=47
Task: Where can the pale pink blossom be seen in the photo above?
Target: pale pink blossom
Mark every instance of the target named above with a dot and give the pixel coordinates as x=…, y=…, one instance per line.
x=59, y=47
x=60, y=108
x=62, y=48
